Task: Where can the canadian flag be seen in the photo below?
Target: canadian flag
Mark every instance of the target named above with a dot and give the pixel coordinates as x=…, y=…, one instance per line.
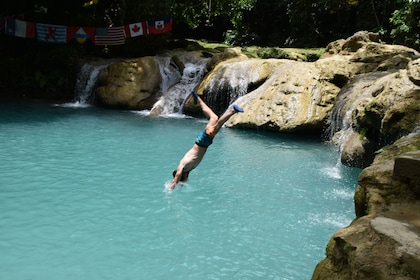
x=135, y=29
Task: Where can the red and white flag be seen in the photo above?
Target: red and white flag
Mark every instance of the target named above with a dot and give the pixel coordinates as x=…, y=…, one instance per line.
x=135, y=29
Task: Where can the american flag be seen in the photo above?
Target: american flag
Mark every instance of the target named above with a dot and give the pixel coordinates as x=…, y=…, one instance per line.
x=110, y=35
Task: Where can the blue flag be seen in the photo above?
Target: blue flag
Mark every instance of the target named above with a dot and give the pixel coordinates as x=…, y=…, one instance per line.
x=49, y=33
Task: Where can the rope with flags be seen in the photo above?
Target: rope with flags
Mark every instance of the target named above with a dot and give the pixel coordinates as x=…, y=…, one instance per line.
x=61, y=34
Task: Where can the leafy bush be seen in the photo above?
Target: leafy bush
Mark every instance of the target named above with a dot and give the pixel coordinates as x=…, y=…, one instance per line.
x=272, y=53
x=405, y=24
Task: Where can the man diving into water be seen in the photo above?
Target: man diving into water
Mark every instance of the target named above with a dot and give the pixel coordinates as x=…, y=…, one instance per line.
x=194, y=156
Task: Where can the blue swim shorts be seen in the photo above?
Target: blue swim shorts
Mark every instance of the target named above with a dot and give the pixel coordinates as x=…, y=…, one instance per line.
x=203, y=140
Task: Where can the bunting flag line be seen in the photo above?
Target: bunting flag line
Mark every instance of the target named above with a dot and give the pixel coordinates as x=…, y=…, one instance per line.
x=49, y=33
x=135, y=29
x=80, y=34
x=20, y=28
x=110, y=35
x=159, y=26
x=4, y=18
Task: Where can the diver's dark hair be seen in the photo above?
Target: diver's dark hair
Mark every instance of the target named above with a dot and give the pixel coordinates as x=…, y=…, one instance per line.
x=184, y=176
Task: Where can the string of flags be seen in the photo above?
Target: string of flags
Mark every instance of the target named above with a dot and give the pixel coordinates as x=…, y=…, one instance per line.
x=61, y=34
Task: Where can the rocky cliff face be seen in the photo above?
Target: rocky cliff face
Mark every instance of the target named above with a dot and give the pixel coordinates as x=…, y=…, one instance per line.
x=366, y=93
x=383, y=242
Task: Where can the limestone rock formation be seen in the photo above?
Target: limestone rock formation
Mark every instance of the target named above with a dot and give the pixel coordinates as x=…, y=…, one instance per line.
x=360, y=85
x=278, y=95
x=383, y=242
x=138, y=83
x=130, y=84
x=364, y=91
x=379, y=106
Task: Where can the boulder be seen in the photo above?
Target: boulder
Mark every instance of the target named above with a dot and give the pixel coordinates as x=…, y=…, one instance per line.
x=413, y=69
x=383, y=106
x=277, y=94
x=130, y=84
x=407, y=168
x=354, y=150
x=391, y=108
x=366, y=53
x=292, y=99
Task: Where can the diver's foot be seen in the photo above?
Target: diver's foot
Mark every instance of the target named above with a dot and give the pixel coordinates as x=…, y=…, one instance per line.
x=195, y=96
x=237, y=108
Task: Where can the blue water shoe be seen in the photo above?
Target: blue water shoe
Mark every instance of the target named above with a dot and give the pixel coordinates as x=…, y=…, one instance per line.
x=237, y=108
x=195, y=97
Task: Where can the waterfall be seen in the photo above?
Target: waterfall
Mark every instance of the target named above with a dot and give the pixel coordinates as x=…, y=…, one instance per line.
x=170, y=76
x=230, y=83
x=340, y=120
x=349, y=98
x=175, y=91
x=86, y=83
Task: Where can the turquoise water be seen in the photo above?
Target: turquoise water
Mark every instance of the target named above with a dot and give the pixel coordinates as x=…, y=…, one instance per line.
x=82, y=196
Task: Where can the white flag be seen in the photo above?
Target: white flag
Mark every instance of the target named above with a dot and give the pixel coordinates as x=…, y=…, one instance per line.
x=134, y=29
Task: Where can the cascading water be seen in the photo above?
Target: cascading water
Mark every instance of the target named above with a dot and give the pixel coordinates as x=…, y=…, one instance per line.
x=86, y=83
x=230, y=83
x=350, y=97
x=174, y=94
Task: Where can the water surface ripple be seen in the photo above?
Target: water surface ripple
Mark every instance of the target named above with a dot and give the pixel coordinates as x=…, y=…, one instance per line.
x=82, y=196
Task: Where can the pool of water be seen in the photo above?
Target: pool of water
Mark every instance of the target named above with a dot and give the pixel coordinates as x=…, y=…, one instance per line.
x=82, y=196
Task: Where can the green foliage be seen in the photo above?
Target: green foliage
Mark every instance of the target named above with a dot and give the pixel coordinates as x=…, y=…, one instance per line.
x=383, y=149
x=363, y=133
x=311, y=57
x=193, y=13
x=307, y=23
x=300, y=23
x=283, y=53
x=272, y=53
x=267, y=23
x=54, y=67
x=405, y=23
x=43, y=69
x=41, y=79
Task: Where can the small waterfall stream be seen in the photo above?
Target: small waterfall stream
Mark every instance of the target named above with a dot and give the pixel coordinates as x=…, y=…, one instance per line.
x=175, y=88
x=359, y=90
x=86, y=83
x=174, y=94
x=230, y=83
